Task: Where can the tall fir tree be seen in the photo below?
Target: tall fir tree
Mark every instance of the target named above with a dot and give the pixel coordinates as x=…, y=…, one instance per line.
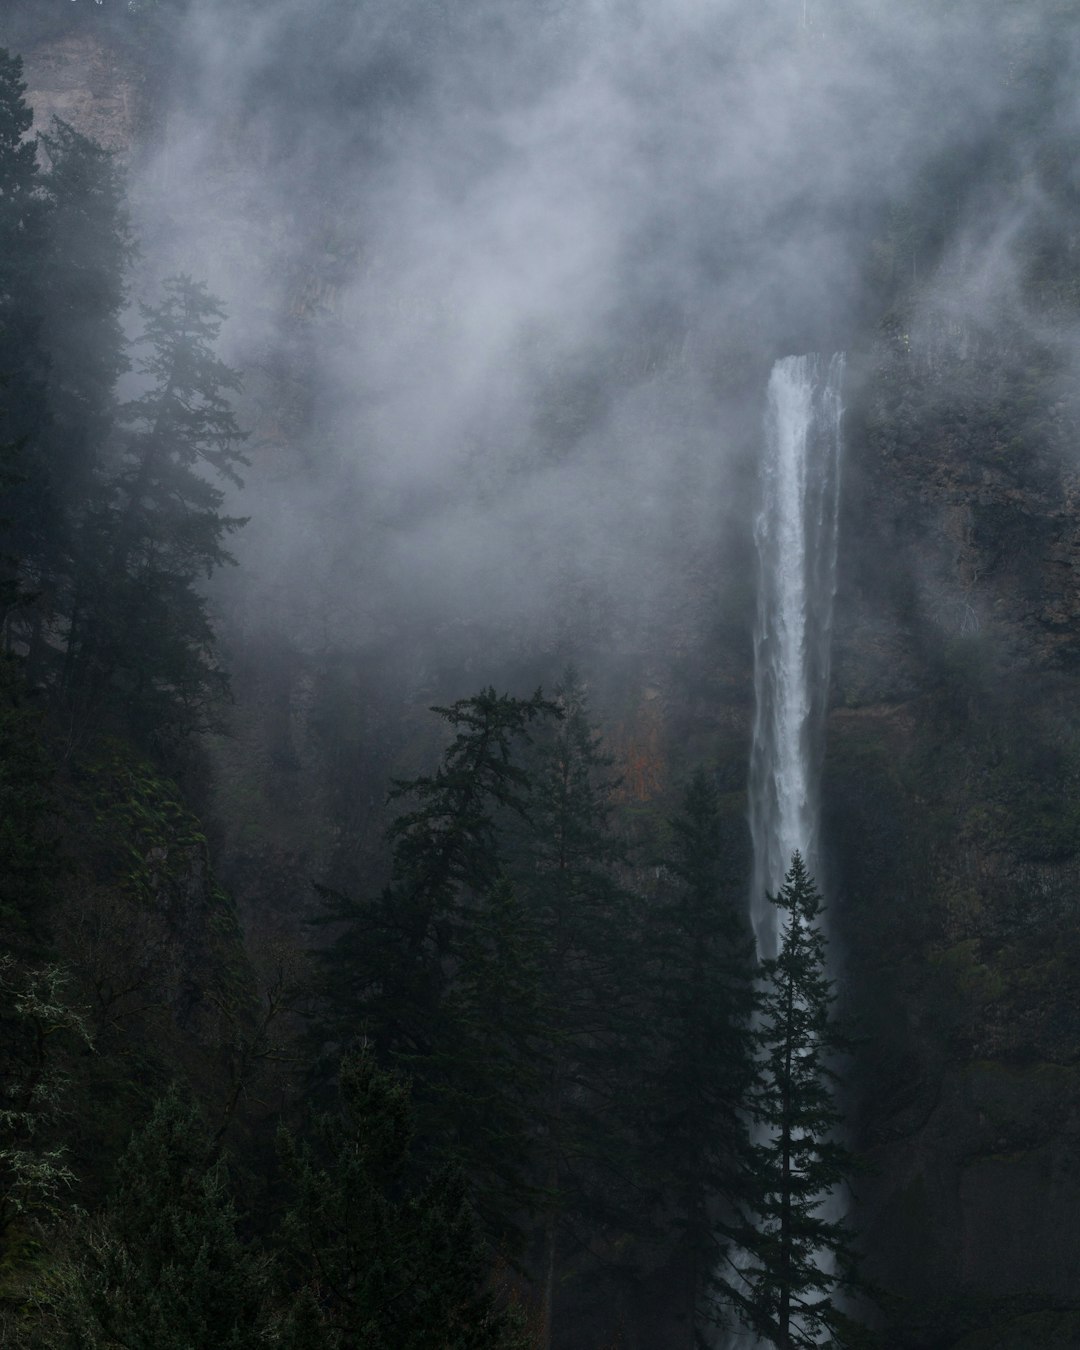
x=798, y=1259
x=484, y=1078
x=83, y=293
x=22, y=215
x=700, y=1068
x=375, y=1256
x=26, y=502
x=41, y=1032
x=30, y=831
x=142, y=643
x=421, y=968
x=566, y=866
x=12, y=594
x=20, y=204
x=163, y=1268
x=90, y=248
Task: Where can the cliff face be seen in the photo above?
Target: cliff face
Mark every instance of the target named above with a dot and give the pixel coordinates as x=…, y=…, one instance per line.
x=88, y=81
x=952, y=816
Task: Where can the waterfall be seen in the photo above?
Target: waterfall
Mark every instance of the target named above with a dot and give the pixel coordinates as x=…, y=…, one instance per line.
x=795, y=534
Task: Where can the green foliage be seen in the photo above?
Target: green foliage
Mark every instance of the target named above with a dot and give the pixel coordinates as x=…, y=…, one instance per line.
x=39, y=1032
x=387, y=969
x=566, y=853
x=163, y=1268
x=140, y=828
x=701, y=1068
x=451, y=837
x=588, y=1036
x=141, y=642
x=421, y=968
x=376, y=1259
x=79, y=298
x=114, y=524
x=60, y=316
x=797, y=1257
x=90, y=247
x=20, y=243
x=481, y=1082
x=29, y=852
x=23, y=362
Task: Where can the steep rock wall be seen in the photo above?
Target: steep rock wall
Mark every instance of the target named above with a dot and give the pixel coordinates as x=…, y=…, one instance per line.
x=953, y=818
x=88, y=81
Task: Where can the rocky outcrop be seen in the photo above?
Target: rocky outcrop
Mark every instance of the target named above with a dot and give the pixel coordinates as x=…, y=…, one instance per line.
x=89, y=82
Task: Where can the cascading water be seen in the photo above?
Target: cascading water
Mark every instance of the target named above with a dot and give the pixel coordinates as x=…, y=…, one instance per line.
x=795, y=533
x=796, y=545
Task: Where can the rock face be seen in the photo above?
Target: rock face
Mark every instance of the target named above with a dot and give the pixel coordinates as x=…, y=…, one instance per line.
x=954, y=825
x=89, y=82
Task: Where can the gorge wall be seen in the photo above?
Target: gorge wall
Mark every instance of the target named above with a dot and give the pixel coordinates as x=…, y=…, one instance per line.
x=951, y=817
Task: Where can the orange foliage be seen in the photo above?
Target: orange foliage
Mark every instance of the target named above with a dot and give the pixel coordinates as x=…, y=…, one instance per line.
x=639, y=755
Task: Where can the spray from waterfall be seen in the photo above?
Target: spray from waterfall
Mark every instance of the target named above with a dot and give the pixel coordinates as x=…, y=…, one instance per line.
x=795, y=534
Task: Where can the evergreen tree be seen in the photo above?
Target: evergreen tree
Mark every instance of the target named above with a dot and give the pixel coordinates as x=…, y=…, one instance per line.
x=422, y=968
x=22, y=212
x=163, y=1268
x=65, y=244
x=485, y=1075
x=378, y=1261
x=29, y=830
x=19, y=208
x=39, y=1029
x=26, y=504
x=565, y=867
x=12, y=595
x=141, y=639
x=388, y=970
x=701, y=998
x=88, y=248
x=798, y=1258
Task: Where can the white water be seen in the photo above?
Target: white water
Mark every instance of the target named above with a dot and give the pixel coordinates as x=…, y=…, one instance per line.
x=795, y=534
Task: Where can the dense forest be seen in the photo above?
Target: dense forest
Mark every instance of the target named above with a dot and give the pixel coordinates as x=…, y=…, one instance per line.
x=381, y=404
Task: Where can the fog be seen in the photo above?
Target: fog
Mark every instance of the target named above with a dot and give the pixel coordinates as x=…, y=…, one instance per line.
x=506, y=279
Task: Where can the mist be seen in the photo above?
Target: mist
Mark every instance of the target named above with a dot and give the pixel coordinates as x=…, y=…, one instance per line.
x=660, y=502
x=506, y=280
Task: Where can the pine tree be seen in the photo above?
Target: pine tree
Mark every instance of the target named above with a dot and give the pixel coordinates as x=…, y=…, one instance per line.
x=566, y=868
x=26, y=504
x=377, y=1259
x=421, y=968
x=22, y=211
x=163, y=1268
x=799, y=1258
x=88, y=248
x=65, y=244
x=30, y=854
x=18, y=169
x=388, y=971
x=484, y=1077
x=141, y=639
x=13, y=596
x=39, y=1031
x=700, y=1002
